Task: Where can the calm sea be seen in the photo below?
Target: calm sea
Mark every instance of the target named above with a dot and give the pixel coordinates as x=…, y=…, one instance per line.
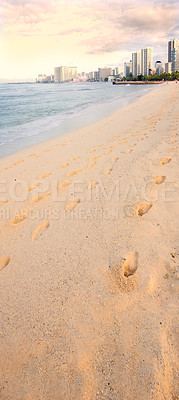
x=29, y=111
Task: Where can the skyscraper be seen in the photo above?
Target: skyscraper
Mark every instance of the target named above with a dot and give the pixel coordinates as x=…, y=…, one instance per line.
x=136, y=63
x=175, y=59
x=171, y=45
x=146, y=60
x=127, y=68
x=65, y=74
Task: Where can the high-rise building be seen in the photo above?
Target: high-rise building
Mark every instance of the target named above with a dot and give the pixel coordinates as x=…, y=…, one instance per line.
x=65, y=74
x=168, y=68
x=171, y=45
x=103, y=73
x=158, y=67
x=57, y=74
x=41, y=78
x=127, y=69
x=146, y=60
x=119, y=70
x=96, y=75
x=175, y=59
x=91, y=75
x=136, y=63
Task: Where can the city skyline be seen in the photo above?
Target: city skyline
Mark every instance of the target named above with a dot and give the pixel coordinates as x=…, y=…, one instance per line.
x=36, y=35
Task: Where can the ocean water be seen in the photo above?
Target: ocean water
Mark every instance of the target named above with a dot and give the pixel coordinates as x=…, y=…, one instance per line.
x=29, y=111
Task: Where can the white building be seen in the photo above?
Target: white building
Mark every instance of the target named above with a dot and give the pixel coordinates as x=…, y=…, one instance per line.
x=136, y=63
x=65, y=74
x=127, y=68
x=103, y=73
x=91, y=75
x=146, y=60
x=168, y=68
x=41, y=78
x=119, y=70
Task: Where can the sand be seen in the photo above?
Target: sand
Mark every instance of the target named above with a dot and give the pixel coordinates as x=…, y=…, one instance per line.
x=88, y=259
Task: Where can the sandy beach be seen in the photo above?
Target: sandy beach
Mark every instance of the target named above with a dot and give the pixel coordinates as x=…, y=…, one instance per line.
x=88, y=259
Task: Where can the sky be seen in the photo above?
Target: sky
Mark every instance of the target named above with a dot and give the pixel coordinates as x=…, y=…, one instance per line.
x=38, y=35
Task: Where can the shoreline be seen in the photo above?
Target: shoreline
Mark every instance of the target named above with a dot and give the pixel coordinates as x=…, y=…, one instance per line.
x=66, y=126
x=90, y=115
x=88, y=261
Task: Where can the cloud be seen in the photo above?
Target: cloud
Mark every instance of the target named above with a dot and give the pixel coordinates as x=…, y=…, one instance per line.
x=97, y=26
x=136, y=25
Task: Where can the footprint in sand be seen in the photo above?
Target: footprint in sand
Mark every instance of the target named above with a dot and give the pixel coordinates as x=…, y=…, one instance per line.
x=165, y=160
x=20, y=217
x=114, y=159
x=64, y=184
x=92, y=150
x=94, y=158
x=129, y=151
x=31, y=187
x=4, y=261
x=44, y=175
x=159, y=179
x=3, y=202
x=6, y=168
x=39, y=230
x=32, y=155
x=17, y=162
x=130, y=265
x=39, y=197
x=107, y=171
x=64, y=165
x=74, y=158
x=92, y=184
x=71, y=173
x=72, y=204
x=143, y=208
x=108, y=151
x=91, y=164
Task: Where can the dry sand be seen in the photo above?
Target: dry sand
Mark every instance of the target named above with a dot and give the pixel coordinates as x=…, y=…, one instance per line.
x=88, y=260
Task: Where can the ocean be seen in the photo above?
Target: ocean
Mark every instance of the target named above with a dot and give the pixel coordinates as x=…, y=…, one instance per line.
x=28, y=112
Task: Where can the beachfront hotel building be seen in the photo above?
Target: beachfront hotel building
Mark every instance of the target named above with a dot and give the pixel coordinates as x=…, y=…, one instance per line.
x=136, y=63
x=146, y=60
x=103, y=73
x=127, y=69
x=175, y=59
x=171, y=45
x=168, y=68
x=65, y=74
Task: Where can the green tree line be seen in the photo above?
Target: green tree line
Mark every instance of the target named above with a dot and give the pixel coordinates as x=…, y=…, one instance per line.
x=155, y=77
